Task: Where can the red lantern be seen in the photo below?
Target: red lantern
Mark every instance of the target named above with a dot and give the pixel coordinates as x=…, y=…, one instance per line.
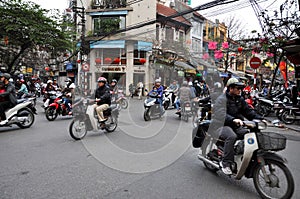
x=240, y=49
x=142, y=60
x=98, y=61
x=78, y=61
x=117, y=60
x=47, y=68
x=107, y=60
x=282, y=66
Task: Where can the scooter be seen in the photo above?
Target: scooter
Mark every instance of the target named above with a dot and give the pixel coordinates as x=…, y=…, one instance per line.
x=169, y=99
x=254, y=158
x=21, y=115
x=86, y=119
x=152, y=107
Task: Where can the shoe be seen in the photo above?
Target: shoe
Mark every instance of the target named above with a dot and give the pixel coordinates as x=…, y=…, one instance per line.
x=3, y=122
x=226, y=170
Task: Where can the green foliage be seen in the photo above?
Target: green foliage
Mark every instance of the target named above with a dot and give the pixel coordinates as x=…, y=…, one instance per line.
x=27, y=26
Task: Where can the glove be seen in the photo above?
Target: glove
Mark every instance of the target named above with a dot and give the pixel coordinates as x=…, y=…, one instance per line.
x=238, y=122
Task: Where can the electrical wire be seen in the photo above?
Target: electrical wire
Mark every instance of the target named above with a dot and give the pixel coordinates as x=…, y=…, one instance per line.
x=232, y=7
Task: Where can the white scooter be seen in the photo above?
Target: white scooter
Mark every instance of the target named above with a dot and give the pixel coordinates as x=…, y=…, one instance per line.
x=86, y=119
x=20, y=115
x=254, y=158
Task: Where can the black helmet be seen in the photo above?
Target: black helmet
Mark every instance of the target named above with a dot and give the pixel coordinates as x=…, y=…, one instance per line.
x=5, y=75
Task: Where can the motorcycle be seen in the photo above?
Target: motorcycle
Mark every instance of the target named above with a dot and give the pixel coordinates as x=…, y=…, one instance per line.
x=86, y=119
x=152, y=107
x=186, y=111
x=121, y=100
x=49, y=98
x=56, y=108
x=255, y=157
x=290, y=114
x=21, y=115
x=204, y=112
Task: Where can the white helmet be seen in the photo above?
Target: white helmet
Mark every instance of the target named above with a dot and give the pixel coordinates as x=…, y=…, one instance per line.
x=49, y=81
x=190, y=83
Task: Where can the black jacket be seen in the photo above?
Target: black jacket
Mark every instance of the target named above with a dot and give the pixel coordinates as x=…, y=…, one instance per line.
x=227, y=108
x=103, y=93
x=9, y=94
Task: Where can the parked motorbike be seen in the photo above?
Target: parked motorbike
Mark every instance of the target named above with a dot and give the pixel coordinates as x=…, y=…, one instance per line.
x=255, y=158
x=21, y=115
x=290, y=114
x=86, y=119
x=56, y=108
x=152, y=107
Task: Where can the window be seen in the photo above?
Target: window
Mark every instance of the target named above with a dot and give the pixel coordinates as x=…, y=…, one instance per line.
x=169, y=34
x=107, y=24
x=137, y=56
x=111, y=55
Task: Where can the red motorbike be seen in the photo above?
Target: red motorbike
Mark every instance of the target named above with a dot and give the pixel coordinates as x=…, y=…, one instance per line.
x=56, y=108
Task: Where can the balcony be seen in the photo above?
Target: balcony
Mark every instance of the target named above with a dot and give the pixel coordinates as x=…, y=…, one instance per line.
x=108, y=4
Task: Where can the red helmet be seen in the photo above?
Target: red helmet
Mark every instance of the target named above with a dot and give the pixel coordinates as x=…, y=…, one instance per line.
x=102, y=79
x=22, y=80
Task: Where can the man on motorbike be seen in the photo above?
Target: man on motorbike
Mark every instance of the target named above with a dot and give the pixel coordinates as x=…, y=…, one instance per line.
x=8, y=97
x=158, y=88
x=23, y=91
x=69, y=94
x=229, y=111
x=185, y=95
x=103, y=98
x=175, y=88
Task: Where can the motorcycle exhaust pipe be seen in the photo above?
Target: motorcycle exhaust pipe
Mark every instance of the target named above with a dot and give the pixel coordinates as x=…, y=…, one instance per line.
x=202, y=158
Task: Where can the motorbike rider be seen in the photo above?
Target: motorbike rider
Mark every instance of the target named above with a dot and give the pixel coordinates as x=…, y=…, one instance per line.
x=175, y=88
x=158, y=88
x=185, y=95
x=103, y=99
x=114, y=89
x=229, y=111
x=197, y=88
x=69, y=94
x=9, y=99
x=23, y=91
x=55, y=85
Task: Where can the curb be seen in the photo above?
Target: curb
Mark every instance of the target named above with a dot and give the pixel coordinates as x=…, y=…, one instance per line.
x=293, y=128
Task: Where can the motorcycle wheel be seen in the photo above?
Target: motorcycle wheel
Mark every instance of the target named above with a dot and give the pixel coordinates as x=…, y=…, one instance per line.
x=124, y=104
x=280, y=178
x=288, y=118
x=77, y=129
x=111, y=124
x=28, y=121
x=51, y=113
x=147, y=113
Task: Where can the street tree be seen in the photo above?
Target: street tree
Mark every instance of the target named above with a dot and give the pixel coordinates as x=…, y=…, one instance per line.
x=279, y=27
x=26, y=31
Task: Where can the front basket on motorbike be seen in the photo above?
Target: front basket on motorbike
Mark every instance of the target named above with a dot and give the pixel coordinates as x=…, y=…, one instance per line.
x=271, y=141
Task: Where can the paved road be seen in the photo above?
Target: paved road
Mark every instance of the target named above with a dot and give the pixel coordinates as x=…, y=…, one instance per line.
x=140, y=160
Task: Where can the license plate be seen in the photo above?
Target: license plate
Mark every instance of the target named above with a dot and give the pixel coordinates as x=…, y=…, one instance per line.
x=187, y=108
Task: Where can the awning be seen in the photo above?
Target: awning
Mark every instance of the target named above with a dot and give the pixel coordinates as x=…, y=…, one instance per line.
x=197, y=61
x=108, y=44
x=144, y=46
x=184, y=65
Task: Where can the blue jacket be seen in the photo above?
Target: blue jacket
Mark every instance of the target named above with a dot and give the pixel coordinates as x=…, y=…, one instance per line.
x=158, y=90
